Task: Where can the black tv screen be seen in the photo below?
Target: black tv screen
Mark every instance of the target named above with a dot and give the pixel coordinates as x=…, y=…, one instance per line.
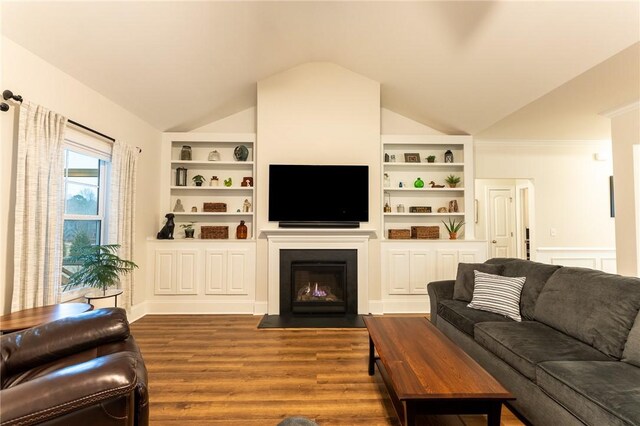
x=306, y=193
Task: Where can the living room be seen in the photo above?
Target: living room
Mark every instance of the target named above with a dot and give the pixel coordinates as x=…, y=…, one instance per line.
x=339, y=95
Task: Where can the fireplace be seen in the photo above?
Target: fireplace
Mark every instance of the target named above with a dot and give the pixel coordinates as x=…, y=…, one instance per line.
x=318, y=282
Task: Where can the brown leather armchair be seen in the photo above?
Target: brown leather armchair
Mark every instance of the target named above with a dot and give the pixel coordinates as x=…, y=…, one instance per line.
x=82, y=370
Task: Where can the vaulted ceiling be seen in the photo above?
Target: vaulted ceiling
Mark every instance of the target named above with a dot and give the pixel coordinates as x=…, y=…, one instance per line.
x=460, y=67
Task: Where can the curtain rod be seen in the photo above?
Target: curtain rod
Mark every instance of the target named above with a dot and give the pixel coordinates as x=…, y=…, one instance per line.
x=8, y=95
x=89, y=129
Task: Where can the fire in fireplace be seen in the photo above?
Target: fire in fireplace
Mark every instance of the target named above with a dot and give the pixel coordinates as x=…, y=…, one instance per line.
x=318, y=282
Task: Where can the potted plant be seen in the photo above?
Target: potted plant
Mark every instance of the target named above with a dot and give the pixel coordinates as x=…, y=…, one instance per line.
x=198, y=180
x=188, y=229
x=100, y=267
x=453, y=227
x=431, y=159
x=452, y=180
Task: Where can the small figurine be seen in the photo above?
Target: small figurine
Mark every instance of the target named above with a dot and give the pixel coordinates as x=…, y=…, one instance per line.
x=178, y=207
x=247, y=181
x=433, y=185
x=214, y=181
x=419, y=183
x=194, y=209
x=400, y=184
x=453, y=206
x=228, y=182
x=246, y=206
x=387, y=208
x=166, y=233
x=442, y=210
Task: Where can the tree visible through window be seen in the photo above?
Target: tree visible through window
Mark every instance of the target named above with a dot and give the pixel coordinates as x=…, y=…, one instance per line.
x=84, y=210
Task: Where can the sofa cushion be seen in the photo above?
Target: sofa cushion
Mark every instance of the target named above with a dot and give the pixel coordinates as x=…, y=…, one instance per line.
x=631, y=353
x=497, y=294
x=593, y=306
x=597, y=392
x=463, y=318
x=465, y=279
x=522, y=345
x=537, y=275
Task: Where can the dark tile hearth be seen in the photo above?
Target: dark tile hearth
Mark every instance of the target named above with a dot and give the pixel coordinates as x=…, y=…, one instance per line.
x=311, y=321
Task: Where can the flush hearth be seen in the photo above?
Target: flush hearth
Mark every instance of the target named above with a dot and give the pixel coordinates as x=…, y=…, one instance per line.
x=318, y=282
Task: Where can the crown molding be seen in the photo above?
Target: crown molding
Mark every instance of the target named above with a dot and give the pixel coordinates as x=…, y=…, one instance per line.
x=621, y=109
x=532, y=143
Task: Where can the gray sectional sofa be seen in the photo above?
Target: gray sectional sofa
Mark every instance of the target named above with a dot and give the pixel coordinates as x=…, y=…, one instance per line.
x=574, y=358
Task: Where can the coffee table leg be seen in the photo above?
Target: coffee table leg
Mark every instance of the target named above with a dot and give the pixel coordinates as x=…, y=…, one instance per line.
x=372, y=355
x=493, y=417
x=409, y=413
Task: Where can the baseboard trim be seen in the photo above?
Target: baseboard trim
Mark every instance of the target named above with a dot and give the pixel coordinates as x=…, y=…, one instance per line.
x=406, y=306
x=376, y=307
x=137, y=311
x=260, y=308
x=200, y=307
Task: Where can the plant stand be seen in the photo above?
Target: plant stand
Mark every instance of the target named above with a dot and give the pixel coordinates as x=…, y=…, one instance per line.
x=103, y=300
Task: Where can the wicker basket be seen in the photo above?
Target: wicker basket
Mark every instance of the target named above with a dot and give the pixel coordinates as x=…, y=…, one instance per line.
x=399, y=234
x=425, y=232
x=420, y=209
x=215, y=207
x=214, y=232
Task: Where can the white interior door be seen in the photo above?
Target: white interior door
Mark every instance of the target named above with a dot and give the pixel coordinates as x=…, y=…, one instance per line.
x=502, y=218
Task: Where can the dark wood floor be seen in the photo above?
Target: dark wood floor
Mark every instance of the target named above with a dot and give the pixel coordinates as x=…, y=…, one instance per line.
x=222, y=370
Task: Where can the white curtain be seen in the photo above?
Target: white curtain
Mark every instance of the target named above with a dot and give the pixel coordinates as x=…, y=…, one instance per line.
x=39, y=208
x=122, y=207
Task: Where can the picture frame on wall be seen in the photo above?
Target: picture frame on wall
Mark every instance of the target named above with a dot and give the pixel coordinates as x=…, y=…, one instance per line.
x=411, y=157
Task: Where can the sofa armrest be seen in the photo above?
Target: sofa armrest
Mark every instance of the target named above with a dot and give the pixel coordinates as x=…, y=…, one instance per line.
x=74, y=388
x=57, y=339
x=438, y=291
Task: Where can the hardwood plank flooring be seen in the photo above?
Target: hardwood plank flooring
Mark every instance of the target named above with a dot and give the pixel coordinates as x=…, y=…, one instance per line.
x=222, y=370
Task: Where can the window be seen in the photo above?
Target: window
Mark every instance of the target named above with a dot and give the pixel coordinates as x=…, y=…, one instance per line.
x=85, y=196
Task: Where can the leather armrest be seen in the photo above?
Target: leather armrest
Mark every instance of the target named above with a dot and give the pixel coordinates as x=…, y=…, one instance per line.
x=69, y=389
x=439, y=290
x=57, y=339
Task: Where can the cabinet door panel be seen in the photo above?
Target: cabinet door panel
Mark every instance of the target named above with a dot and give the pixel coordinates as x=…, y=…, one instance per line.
x=398, y=278
x=447, y=264
x=187, y=272
x=165, y=272
x=215, y=271
x=470, y=256
x=238, y=262
x=421, y=270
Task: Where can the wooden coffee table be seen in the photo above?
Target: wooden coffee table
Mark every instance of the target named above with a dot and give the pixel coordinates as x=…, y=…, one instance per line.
x=28, y=318
x=426, y=373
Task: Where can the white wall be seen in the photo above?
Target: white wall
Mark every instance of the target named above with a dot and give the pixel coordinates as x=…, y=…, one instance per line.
x=317, y=113
x=571, y=187
x=625, y=134
x=40, y=82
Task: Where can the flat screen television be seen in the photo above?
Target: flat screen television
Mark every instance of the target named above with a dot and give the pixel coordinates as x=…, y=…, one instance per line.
x=318, y=195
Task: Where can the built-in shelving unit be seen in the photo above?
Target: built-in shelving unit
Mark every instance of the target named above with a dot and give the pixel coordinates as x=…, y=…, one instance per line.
x=407, y=195
x=202, y=144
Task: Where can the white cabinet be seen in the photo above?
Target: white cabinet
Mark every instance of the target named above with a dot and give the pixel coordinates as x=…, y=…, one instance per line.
x=204, y=270
x=408, y=271
x=406, y=177
x=407, y=267
x=176, y=271
x=212, y=154
x=228, y=271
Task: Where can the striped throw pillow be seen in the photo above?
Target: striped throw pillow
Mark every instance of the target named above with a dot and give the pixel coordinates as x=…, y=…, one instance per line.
x=497, y=294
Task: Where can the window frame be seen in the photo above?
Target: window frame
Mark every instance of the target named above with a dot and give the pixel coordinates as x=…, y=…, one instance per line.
x=83, y=143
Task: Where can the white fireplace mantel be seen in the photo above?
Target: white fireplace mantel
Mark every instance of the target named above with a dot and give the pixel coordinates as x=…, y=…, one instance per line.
x=318, y=239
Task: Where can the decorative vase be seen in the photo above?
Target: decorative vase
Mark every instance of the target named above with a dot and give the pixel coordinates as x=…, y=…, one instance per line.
x=181, y=176
x=241, y=231
x=419, y=183
x=431, y=160
x=188, y=233
x=185, y=153
x=198, y=183
x=453, y=235
x=214, y=156
x=453, y=185
x=214, y=181
x=241, y=153
x=448, y=156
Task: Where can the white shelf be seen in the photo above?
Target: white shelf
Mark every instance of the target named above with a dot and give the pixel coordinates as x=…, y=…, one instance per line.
x=425, y=165
x=213, y=188
x=225, y=164
x=426, y=189
x=425, y=214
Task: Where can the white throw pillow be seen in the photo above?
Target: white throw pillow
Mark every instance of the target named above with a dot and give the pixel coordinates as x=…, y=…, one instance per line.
x=498, y=294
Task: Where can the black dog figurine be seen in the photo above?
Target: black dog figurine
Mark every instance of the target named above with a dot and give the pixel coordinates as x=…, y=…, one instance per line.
x=166, y=233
